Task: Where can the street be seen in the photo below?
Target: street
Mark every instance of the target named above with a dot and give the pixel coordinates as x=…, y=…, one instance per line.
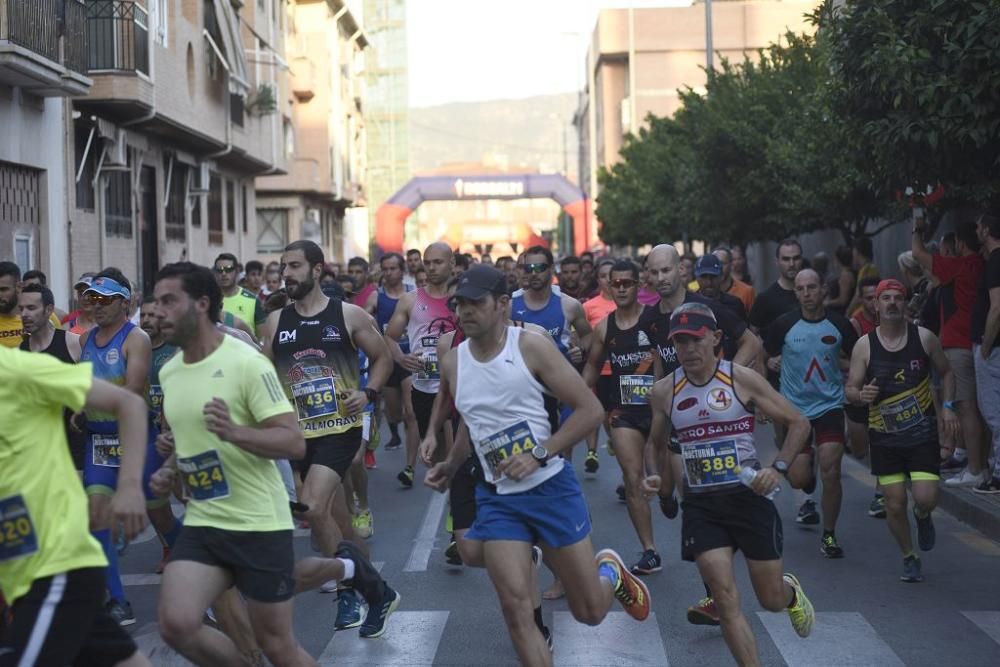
x=450, y=616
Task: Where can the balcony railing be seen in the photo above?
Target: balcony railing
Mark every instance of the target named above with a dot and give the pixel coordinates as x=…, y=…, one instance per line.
x=75, y=36
x=118, y=36
x=38, y=26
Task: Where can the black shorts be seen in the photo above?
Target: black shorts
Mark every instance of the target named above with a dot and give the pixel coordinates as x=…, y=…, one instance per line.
x=923, y=457
x=463, y=495
x=335, y=451
x=397, y=376
x=260, y=563
x=606, y=389
x=856, y=413
x=61, y=621
x=423, y=404
x=637, y=421
x=741, y=520
x=828, y=427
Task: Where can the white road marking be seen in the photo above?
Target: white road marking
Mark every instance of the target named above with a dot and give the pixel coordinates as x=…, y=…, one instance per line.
x=839, y=638
x=424, y=542
x=618, y=640
x=988, y=622
x=412, y=639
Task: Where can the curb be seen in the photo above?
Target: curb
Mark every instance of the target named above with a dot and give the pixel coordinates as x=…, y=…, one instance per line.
x=981, y=512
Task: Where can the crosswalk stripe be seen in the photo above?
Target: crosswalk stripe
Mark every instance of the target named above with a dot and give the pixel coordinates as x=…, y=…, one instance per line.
x=987, y=621
x=838, y=638
x=412, y=640
x=618, y=640
x=424, y=542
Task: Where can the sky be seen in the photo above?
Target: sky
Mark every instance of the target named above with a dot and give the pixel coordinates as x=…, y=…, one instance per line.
x=474, y=50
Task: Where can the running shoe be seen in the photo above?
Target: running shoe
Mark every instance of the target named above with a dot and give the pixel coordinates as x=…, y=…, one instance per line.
x=877, y=508
x=989, y=486
x=591, y=463
x=829, y=546
x=669, y=506
x=393, y=444
x=926, y=534
x=966, y=478
x=451, y=555
x=808, y=514
x=405, y=477
x=120, y=612
x=951, y=464
x=163, y=561
x=349, y=605
x=648, y=563
x=330, y=586
x=703, y=613
x=801, y=614
x=911, y=570
x=363, y=524
x=370, y=459
x=620, y=491
x=374, y=625
x=629, y=590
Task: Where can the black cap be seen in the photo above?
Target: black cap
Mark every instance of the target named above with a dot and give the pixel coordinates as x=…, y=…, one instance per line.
x=479, y=281
x=708, y=265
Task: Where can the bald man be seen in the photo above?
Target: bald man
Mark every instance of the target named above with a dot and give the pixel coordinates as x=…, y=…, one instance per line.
x=424, y=316
x=810, y=347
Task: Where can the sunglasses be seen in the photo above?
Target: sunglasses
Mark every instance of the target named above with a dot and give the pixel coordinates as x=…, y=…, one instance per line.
x=224, y=269
x=99, y=299
x=623, y=282
x=537, y=267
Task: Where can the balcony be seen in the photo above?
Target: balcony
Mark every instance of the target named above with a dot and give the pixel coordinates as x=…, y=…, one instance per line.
x=43, y=45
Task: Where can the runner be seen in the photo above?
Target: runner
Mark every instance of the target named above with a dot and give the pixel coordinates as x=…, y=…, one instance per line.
x=11, y=330
x=620, y=340
x=810, y=345
x=708, y=271
x=51, y=569
x=864, y=322
x=230, y=419
x=423, y=315
x=719, y=514
x=890, y=373
x=730, y=284
x=596, y=309
x=240, y=302
x=536, y=494
x=120, y=353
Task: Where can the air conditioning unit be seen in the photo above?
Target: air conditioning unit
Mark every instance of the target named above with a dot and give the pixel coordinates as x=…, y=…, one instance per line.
x=200, y=179
x=116, y=156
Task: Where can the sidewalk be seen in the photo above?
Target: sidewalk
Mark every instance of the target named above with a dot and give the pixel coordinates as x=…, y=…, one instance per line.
x=980, y=511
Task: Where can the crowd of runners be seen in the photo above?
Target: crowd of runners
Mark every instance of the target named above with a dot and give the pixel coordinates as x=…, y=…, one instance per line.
x=237, y=402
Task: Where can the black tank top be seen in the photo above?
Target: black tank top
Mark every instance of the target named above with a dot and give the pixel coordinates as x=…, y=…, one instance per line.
x=319, y=366
x=57, y=347
x=903, y=413
x=630, y=354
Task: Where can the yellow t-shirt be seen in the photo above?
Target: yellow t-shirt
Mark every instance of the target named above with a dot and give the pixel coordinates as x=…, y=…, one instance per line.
x=43, y=508
x=247, y=307
x=230, y=488
x=11, y=330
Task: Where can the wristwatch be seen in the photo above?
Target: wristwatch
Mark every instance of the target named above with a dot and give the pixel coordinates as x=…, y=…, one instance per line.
x=371, y=394
x=541, y=455
x=780, y=466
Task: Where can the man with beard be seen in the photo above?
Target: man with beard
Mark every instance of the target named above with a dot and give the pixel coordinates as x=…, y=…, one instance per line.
x=240, y=302
x=709, y=272
x=11, y=330
x=414, y=263
x=571, y=277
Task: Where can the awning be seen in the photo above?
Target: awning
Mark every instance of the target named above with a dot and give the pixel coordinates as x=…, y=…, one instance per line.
x=232, y=46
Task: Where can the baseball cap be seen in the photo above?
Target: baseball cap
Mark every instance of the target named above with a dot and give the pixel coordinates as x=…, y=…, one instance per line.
x=108, y=287
x=479, y=281
x=693, y=319
x=708, y=265
x=889, y=284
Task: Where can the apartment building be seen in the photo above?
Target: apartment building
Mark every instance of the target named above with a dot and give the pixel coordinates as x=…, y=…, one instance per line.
x=43, y=61
x=325, y=146
x=188, y=106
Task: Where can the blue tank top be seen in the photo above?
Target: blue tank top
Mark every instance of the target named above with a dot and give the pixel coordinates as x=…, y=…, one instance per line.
x=108, y=362
x=550, y=318
x=383, y=313
x=154, y=393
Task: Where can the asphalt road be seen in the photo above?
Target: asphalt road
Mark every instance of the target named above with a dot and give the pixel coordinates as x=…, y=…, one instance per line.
x=450, y=616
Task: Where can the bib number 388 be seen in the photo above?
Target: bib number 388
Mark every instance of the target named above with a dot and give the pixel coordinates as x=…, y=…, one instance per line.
x=711, y=463
x=204, y=476
x=17, y=532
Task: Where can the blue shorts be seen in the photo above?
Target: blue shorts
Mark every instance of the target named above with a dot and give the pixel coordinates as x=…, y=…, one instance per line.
x=100, y=477
x=553, y=513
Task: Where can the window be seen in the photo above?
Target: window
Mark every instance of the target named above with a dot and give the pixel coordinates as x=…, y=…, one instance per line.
x=272, y=229
x=236, y=109
x=215, y=209
x=85, y=198
x=246, y=217
x=158, y=15
x=22, y=252
x=196, y=211
x=177, y=173
x=230, y=206
x=118, y=204
x=288, y=131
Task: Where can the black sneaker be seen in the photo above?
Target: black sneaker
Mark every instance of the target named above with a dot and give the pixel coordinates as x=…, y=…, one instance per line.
x=989, y=486
x=374, y=625
x=620, y=491
x=405, y=477
x=451, y=555
x=926, y=534
x=394, y=443
x=669, y=506
x=808, y=514
x=648, y=563
x=829, y=547
x=120, y=612
x=591, y=464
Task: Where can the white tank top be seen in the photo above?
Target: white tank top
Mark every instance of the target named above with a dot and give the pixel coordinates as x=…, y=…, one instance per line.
x=715, y=431
x=503, y=407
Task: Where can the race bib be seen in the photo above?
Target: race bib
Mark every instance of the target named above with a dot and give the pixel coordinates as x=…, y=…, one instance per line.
x=430, y=371
x=635, y=389
x=315, y=398
x=204, y=476
x=17, y=532
x=107, y=451
x=711, y=463
x=156, y=398
x=901, y=415
x=504, y=444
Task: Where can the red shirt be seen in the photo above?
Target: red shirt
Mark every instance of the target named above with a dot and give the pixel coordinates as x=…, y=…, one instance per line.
x=361, y=298
x=865, y=324
x=959, y=278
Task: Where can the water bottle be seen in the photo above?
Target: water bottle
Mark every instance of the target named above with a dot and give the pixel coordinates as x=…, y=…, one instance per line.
x=748, y=475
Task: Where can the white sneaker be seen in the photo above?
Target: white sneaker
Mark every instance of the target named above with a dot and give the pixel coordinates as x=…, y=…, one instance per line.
x=329, y=587
x=966, y=478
